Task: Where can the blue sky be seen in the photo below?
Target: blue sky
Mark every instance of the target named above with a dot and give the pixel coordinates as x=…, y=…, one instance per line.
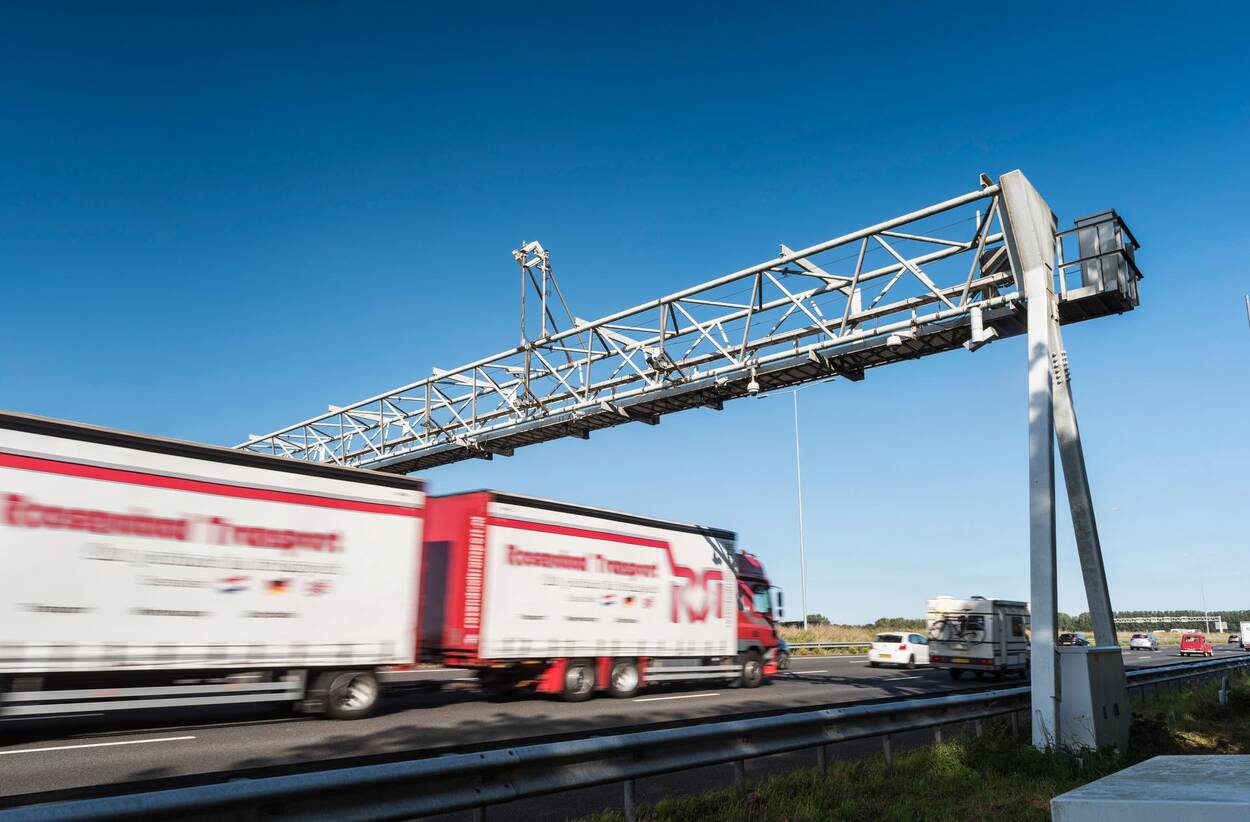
x=217, y=223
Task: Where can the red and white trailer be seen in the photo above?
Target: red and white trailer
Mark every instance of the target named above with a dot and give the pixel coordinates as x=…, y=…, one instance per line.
x=150, y=573
x=572, y=600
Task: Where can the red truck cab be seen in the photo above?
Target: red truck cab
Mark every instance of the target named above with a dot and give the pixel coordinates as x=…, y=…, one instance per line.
x=759, y=607
x=1196, y=644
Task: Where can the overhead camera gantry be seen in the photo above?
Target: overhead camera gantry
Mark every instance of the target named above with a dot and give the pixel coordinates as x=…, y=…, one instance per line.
x=976, y=268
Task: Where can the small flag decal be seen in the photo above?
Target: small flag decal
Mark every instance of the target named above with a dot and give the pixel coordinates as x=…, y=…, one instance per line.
x=232, y=585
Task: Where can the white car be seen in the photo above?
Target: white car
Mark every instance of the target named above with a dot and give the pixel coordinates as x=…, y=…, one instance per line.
x=1143, y=642
x=899, y=648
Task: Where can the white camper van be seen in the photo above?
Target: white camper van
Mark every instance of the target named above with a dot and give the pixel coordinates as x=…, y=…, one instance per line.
x=985, y=636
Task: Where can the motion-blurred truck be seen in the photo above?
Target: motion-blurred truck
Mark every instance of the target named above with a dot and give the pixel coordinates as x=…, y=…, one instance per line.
x=1245, y=636
x=151, y=573
x=571, y=600
x=988, y=637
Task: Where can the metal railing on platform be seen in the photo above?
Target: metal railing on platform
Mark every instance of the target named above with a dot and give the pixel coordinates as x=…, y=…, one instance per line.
x=404, y=790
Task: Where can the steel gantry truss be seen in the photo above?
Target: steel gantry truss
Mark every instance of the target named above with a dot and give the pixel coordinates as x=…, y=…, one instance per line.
x=984, y=265
x=925, y=282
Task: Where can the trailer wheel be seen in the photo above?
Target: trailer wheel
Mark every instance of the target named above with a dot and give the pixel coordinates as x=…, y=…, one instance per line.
x=956, y=673
x=348, y=694
x=579, y=681
x=752, y=670
x=624, y=680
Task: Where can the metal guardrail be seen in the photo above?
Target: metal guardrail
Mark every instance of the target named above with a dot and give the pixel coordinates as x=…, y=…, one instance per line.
x=454, y=782
x=820, y=646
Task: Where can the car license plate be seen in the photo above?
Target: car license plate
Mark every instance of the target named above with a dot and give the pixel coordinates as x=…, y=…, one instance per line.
x=884, y=656
x=962, y=659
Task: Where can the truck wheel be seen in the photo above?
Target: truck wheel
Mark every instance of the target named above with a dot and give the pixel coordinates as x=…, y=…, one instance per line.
x=579, y=681
x=956, y=673
x=624, y=680
x=348, y=694
x=752, y=670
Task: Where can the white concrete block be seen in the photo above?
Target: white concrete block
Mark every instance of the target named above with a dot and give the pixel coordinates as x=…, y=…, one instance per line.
x=1163, y=789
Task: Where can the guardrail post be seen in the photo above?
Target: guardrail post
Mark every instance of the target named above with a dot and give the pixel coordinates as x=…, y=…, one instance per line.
x=887, y=753
x=976, y=727
x=479, y=814
x=1224, y=690
x=1015, y=724
x=631, y=812
x=822, y=760
x=740, y=776
x=937, y=734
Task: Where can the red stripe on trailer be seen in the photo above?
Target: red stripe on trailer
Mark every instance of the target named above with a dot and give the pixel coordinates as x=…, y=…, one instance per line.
x=588, y=533
x=220, y=489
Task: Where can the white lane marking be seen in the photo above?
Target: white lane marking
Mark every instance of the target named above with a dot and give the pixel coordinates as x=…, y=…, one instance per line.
x=897, y=678
x=662, y=698
x=97, y=745
x=817, y=671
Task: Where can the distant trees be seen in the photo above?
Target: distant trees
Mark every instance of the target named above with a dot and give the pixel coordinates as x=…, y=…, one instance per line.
x=1081, y=621
x=1066, y=622
x=898, y=624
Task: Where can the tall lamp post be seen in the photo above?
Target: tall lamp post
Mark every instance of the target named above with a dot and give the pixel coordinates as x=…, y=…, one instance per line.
x=798, y=478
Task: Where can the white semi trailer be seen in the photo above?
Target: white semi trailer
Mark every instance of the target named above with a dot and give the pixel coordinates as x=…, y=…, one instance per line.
x=149, y=573
x=573, y=600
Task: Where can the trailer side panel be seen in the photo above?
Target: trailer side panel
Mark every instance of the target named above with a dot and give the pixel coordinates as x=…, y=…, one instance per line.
x=126, y=558
x=568, y=583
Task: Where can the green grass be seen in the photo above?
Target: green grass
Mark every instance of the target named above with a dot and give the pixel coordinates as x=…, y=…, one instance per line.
x=993, y=777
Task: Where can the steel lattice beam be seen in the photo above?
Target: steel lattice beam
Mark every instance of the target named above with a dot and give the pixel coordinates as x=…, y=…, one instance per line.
x=928, y=281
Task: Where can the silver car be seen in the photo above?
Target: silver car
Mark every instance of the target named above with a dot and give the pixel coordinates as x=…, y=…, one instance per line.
x=1143, y=642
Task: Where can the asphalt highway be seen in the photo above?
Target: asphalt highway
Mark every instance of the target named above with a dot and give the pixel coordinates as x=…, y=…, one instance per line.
x=38, y=755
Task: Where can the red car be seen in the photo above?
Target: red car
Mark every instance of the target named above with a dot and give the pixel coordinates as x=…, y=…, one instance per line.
x=1196, y=644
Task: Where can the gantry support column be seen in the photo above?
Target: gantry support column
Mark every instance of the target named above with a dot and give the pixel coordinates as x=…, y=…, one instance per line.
x=1030, y=230
x=1030, y=246
x=1080, y=501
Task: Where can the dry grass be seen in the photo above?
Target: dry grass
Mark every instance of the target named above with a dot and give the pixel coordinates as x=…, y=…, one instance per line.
x=827, y=633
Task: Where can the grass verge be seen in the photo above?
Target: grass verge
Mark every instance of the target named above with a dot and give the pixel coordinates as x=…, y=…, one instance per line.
x=993, y=777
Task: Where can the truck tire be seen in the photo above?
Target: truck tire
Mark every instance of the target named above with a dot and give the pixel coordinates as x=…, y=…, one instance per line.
x=579, y=681
x=624, y=679
x=348, y=694
x=752, y=670
x=956, y=673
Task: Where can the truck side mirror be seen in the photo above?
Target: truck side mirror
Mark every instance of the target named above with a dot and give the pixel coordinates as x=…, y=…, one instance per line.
x=781, y=605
